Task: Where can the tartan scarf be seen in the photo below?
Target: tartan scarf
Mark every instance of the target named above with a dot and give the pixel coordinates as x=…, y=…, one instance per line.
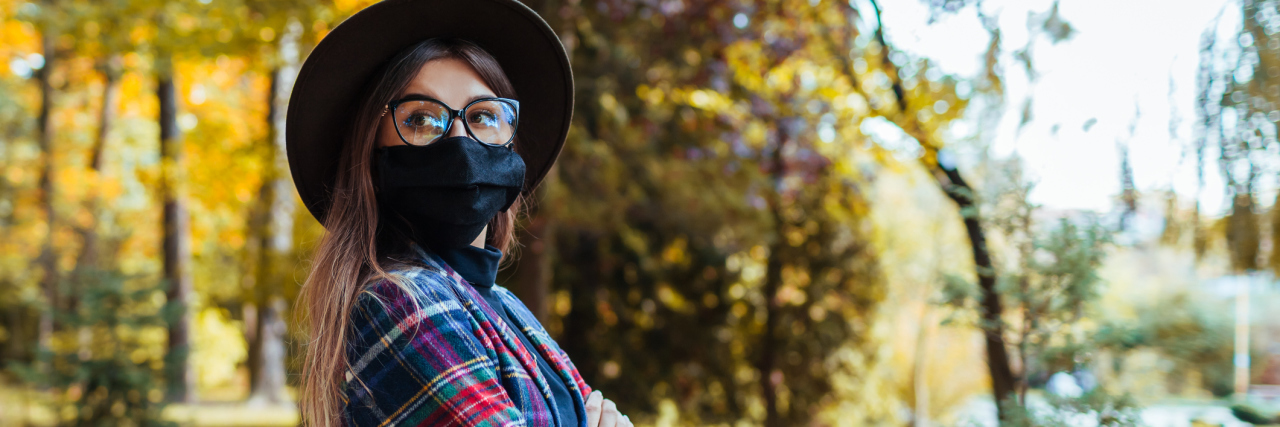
x=430, y=351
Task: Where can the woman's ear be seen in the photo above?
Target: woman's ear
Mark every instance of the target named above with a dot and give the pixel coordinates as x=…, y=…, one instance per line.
x=384, y=134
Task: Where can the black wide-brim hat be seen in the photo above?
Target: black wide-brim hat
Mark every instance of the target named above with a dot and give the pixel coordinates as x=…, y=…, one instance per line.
x=328, y=89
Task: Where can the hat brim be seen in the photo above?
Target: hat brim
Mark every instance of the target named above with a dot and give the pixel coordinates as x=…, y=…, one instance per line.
x=329, y=85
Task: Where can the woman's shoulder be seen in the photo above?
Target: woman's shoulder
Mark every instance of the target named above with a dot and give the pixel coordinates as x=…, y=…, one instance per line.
x=410, y=295
x=408, y=282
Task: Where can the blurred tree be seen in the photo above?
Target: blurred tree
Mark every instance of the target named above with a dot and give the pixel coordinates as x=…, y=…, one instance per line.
x=33, y=220
x=88, y=21
x=105, y=35
x=271, y=32
x=119, y=382
x=176, y=242
x=175, y=222
x=272, y=218
x=699, y=202
x=20, y=320
x=1128, y=190
x=113, y=36
x=772, y=76
x=1049, y=276
x=709, y=207
x=1052, y=282
x=274, y=232
x=1207, y=117
x=914, y=116
x=1247, y=76
x=763, y=92
x=1253, y=93
x=47, y=22
x=1242, y=82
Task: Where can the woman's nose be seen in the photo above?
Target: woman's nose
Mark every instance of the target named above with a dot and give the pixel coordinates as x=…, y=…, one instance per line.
x=457, y=128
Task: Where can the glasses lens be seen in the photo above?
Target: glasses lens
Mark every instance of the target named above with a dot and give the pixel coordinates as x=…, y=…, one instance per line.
x=492, y=122
x=421, y=122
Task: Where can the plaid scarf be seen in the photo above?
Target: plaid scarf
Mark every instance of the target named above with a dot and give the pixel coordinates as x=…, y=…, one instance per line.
x=432, y=353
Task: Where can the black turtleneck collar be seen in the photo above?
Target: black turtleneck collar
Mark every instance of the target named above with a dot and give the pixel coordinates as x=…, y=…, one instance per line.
x=478, y=266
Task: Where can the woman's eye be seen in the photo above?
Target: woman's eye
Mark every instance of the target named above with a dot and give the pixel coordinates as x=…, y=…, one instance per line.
x=420, y=120
x=486, y=118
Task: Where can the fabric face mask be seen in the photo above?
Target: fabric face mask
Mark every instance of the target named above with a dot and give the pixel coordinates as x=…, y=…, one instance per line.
x=448, y=190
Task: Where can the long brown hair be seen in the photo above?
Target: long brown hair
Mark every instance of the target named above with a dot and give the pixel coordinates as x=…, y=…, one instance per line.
x=357, y=249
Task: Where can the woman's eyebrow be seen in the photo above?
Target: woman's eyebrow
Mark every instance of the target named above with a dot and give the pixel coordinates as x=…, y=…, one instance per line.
x=433, y=96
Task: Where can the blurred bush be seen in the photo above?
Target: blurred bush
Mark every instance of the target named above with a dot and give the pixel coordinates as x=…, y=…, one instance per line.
x=1095, y=407
x=1254, y=415
x=1189, y=331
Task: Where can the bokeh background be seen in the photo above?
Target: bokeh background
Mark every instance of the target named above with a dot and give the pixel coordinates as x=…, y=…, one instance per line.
x=768, y=212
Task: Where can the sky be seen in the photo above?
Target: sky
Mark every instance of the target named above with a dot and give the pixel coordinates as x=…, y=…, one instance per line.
x=1117, y=68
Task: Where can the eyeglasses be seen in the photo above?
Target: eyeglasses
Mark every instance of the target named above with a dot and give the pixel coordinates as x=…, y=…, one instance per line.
x=422, y=120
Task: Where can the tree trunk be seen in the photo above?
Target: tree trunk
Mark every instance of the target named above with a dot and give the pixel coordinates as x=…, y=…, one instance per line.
x=584, y=248
x=111, y=70
x=1002, y=379
x=257, y=278
x=1243, y=234
x=534, y=273
x=1199, y=236
x=18, y=325
x=268, y=383
x=772, y=281
x=47, y=259
x=768, y=339
x=89, y=250
x=951, y=182
x=1128, y=191
x=176, y=240
x=87, y=262
x=268, y=359
x=1275, y=236
x=275, y=245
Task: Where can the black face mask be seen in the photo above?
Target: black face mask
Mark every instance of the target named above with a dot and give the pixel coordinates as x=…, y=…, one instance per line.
x=447, y=191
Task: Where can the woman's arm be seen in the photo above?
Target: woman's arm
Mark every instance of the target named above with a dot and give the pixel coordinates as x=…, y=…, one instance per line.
x=421, y=364
x=601, y=412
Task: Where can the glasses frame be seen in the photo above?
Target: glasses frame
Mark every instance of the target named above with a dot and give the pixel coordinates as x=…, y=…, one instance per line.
x=453, y=114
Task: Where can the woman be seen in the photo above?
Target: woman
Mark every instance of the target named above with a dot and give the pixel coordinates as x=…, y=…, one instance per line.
x=415, y=149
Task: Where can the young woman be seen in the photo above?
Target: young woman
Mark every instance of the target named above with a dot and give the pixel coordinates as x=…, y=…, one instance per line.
x=415, y=130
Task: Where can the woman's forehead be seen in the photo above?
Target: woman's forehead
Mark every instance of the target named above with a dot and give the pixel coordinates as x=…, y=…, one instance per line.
x=450, y=80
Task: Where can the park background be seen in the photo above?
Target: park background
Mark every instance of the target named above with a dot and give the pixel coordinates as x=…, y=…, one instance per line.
x=768, y=212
